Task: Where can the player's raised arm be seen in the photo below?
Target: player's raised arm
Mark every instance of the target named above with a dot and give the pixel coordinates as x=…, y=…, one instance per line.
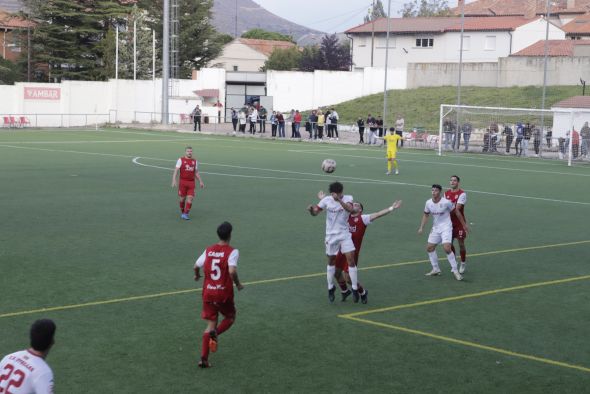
x=348, y=207
x=396, y=205
x=423, y=222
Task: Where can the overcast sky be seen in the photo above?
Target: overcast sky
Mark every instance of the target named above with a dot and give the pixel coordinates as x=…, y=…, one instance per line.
x=329, y=16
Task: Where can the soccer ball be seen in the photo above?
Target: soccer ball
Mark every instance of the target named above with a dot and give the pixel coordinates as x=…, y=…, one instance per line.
x=329, y=166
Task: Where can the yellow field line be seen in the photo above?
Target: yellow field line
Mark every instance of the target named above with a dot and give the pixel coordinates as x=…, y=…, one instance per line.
x=466, y=296
x=265, y=281
x=469, y=344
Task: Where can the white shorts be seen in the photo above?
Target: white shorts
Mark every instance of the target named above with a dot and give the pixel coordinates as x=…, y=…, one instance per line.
x=444, y=236
x=339, y=243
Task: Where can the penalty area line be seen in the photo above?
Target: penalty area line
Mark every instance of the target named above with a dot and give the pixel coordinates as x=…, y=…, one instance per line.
x=274, y=280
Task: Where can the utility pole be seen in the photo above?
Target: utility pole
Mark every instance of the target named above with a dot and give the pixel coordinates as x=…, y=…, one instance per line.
x=386, y=64
x=165, y=60
x=372, y=32
x=457, y=128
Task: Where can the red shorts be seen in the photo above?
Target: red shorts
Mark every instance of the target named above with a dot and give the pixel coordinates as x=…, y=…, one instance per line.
x=342, y=264
x=212, y=309
x=459, y=233
x=186, y=188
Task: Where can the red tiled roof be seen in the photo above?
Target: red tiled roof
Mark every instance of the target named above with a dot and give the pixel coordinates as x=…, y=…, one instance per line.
x=265, y=46
x=579, y=26
x=518, y=7
x=12, y=21
x=442, y=24
x=555, y=48
x=574, y=102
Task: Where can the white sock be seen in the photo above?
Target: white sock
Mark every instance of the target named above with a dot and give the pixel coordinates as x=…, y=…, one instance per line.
x=453, y=261
x=353, y=273
x=433, y=260
x=330, y=272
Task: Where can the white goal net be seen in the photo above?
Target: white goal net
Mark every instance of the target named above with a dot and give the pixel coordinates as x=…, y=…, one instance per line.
x=557, y=133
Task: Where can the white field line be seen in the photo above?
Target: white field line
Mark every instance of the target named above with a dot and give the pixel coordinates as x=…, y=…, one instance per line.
x=357, y=180
x=96, y=141
x=439, y=163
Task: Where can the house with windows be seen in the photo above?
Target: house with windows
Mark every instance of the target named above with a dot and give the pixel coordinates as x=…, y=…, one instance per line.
x=13, y=35
x=437, y=39
x=247, y=54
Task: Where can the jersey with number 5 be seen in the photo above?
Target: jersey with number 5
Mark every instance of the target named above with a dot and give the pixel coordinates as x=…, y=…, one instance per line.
x=215, y=262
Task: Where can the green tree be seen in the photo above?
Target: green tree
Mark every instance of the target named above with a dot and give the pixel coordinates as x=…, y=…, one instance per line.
x=68, y=37
x=417, y=8
x=267, y=35
x=283, y=60
x=9, y=72
x=311, y=59
x=376, y=12
x=334, y=55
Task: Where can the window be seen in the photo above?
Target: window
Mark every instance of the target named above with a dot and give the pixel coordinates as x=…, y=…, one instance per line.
x=424, y=42
x=490, y=43
x=381, y=43
x=235, y=68
x=466, y=43
x=15, y=46
x=362, y=41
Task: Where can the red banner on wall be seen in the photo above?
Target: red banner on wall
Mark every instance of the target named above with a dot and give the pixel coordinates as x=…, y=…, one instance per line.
x=42, y=93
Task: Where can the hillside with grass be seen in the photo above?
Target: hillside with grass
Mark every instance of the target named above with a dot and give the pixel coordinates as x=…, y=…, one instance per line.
x=421, y=107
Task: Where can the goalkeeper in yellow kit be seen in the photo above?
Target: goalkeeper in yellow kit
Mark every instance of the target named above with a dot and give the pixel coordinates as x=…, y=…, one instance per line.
x=392, y=140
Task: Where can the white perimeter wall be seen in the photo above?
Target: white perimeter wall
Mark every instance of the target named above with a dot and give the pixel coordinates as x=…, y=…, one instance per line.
x=562, y=122
x=307, y=90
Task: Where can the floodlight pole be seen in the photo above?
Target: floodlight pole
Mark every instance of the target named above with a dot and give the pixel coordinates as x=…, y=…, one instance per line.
x=457, y=133
x=165, y=59
x=545, y=57
x=117, y=52
x=372, y=32
x=386, y=65
x=134, y=49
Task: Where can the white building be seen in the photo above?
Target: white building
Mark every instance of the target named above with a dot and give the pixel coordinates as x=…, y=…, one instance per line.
x=562, y=121
x=437, y=39
x=247, y=54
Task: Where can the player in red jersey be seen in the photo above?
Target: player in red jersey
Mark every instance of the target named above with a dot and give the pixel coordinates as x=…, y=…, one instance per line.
x=357, y=223
x=220, y=270
x=459, y=198
x=189, y=171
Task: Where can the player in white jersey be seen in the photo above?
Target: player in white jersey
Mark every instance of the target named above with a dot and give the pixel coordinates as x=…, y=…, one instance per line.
x=442, y=230
x=338, y=237
x=26, y=372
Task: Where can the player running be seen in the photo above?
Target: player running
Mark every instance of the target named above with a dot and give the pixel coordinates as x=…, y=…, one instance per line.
x=220, y=269
x=26, y=371
x=442, y=230
x=338, y=238
x=357, y=224
x=189, y=171
x=458, y=197
x=392, y=140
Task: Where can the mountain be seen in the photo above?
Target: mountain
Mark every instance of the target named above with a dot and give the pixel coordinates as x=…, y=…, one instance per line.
x=250, y=16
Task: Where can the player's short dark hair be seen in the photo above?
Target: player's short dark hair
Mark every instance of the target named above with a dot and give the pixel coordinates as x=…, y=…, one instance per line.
x=439, y=187
x=456, y=176
x=336, y=187
x=224, y=231
x=392, y=129
x=188, y=147
x=42, y=333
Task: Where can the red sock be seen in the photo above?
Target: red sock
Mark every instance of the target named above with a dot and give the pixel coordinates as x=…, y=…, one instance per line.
x=205, y=349
x=182, y=206
x=187, y=207
x=463, y=255
x=343, y=286
x=224, y=325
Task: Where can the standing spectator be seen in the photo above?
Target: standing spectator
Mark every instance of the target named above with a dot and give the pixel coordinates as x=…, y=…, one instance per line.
x=575, y=144
x=549, y=136
x=234, y=118
x=291, y=119
x=313, y=123
x=449, y=132
x=334, y=118
x=296, y=125
x=329, y=124
x=379, y=123
x=321, y=122
x=399, y=128
x=273, y=124
x=262, y=113
x=519, y=137
x=26, y=371
x=372, y=123
x=561, y=142
x=509, y=135
x=281, y=122
x=196, y=114
x=526, y=137
x=585, y=134
x=536, y=139
x=242, y=119
x=361, y=125
x=466, y=128
x=253, y=120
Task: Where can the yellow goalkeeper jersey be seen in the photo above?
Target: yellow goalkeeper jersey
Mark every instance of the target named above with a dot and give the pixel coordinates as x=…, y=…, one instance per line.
x=392, y=140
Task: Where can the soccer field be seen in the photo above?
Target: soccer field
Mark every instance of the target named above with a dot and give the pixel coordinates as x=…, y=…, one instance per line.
x=92, y=238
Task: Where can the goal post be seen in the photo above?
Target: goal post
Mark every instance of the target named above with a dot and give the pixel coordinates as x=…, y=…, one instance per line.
x=550, y=134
